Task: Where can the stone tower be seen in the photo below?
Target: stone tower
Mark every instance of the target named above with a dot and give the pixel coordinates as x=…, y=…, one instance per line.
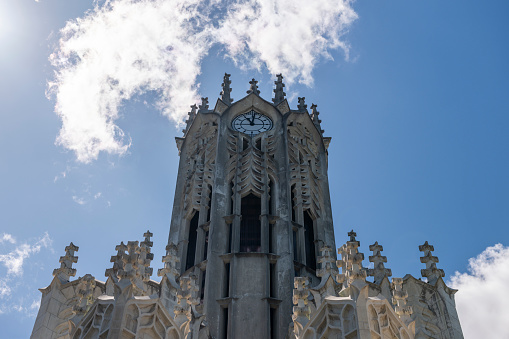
x=250, y=252
x=251, y=208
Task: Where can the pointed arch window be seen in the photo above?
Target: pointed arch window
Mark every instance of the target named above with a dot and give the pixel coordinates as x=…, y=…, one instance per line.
x=309, y=241
x=250, y=226
x=191, y=240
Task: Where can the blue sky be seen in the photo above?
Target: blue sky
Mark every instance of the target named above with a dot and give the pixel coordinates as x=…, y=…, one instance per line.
x=417, y=112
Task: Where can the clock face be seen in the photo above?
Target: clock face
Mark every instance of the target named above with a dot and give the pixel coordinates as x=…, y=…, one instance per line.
x=252, y=123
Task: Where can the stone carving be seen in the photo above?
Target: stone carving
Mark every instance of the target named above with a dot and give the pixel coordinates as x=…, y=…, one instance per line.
x=279, y=94
x=305, y=169
x=302, y=107
x=66, y=271
x=253, y=88
x=189, y=121
x=86, y=288
x=204, y=107
x=379, y=272
x=399, y=300
x=301, y=309
x=431, y=272
x=352, y=261
x=314, y=117
x=225, y=93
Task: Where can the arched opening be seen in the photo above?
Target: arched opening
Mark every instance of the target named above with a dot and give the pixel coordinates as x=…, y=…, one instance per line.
x=191, y=240
x=310, y=241
x=250, y=228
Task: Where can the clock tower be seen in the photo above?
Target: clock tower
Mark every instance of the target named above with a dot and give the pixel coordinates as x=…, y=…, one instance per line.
x=251, y=208
x=250, y=252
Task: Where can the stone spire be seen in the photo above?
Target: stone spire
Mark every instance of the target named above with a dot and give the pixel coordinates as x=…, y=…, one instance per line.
x=189, y=121
x=314, y=117
x=302, y=104
x=66, y=271
x=328, y=265
x=431, y=272
x=145, y=256
x=253, y=88
x=204, y=107
x=279, y=94
x=351, y=260
x=225, y=93
x=171, y=263
x=379, y=272
x=399, y=299
x=118, y=262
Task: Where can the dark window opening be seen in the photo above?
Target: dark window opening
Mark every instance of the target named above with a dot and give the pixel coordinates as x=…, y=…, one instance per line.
x=206, y=245
x=202, y=292
x=225, y=323
x=295, y=249
x=250, y=228
x=271, y=235
x=273, y=282
x=271, y=195
x=230, y=231
x=293, y=202
x=245, y=143
x=310, y=241
x=210, y=203
x=232, y=198
x=226, y=292
x=259, y=144
x=273, y=321
x=191, y=238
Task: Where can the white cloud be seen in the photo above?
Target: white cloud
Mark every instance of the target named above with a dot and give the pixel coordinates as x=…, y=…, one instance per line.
x=78, y=200
x=14, y=261
x=97, y=195
x=7, y=238
x=287, y=36
x=482, y=298
x=127, y=47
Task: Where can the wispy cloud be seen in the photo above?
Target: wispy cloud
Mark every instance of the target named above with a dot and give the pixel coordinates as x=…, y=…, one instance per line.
x=123, y=48
x=14, y=261
x=78, y=200
x=7, y=238
x=482, y=299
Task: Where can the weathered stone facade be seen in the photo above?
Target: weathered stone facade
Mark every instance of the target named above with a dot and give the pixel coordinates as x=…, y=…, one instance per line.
x=251, y=215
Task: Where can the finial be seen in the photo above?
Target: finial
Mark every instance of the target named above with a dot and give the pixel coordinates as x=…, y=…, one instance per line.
x=279, y=95
x=189, y=121
x=352, y=235
x=314, y=117
x=147, y=242
x=254, y=87
x=431, y=272
x=328, y=265
x=117, y=260
x=204, y=105
x=66, y=271
x=302, y=105
x=351, y=262
x=379, y=272
x=170, y=260
x=225, y=93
